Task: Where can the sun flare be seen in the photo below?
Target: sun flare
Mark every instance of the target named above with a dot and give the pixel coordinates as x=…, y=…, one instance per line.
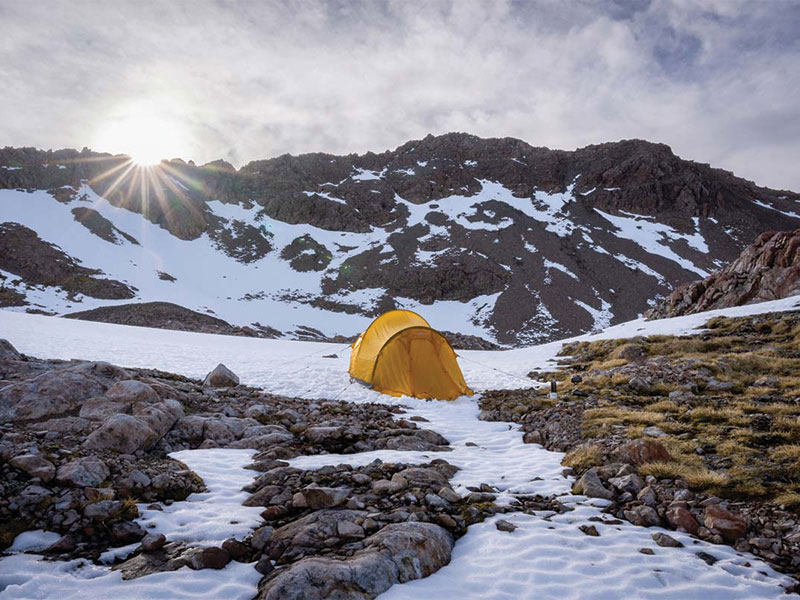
x=146, y=135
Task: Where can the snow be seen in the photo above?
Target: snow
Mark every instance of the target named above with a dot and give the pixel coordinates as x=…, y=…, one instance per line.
x=367, y=175
x=655, y=238
x=219, y=509
x=207, y=518
x=788, y=213
x=549, y=264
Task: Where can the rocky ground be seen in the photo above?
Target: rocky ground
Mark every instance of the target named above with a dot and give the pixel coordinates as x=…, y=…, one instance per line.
x=82, y=443
x=698, y=433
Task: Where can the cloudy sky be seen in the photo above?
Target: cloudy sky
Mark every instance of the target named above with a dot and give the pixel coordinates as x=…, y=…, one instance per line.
x=718, y=80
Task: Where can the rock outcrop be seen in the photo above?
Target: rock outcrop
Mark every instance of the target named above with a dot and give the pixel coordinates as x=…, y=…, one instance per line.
x=769, y=269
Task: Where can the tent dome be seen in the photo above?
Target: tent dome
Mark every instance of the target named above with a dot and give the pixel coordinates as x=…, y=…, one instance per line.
x=401, y=355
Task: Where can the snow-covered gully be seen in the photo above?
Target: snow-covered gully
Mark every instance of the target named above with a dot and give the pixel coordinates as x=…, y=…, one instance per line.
x=547, y=556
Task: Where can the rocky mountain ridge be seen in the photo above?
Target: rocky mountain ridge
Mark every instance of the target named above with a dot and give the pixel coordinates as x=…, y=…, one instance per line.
x=768, y=269
x=487, y=237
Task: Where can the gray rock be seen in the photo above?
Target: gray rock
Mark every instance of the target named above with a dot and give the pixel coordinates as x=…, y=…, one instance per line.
x=653, y=431
x=435, y=501
x=83, y=472
x=324, y=497
x=102, y=510
x=398, y=553
x=221, y=377
x=210, y=558
x=122, y=433
x=349, y=531
x=261, y=537
x=662, y=539
x=644, y=516
x=100, y=408
x=590, y=485
x=49, y=394
x=35, y=466
x=153, y=542
x=503, y=525
x=131, y=391
x=632, y=483
x=127, y=532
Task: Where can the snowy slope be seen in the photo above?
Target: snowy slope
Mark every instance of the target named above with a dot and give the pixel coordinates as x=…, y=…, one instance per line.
x=494, y=238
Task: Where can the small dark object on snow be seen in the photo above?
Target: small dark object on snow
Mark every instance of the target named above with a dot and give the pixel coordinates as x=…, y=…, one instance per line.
x=331, y=356
x=590, y=530
x=503, y=525
x=710, y=560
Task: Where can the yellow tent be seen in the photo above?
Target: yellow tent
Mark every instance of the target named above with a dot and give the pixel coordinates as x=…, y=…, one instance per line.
x=400, y=355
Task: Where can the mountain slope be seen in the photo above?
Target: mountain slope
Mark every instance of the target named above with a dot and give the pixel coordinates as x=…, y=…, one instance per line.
x=488, y=237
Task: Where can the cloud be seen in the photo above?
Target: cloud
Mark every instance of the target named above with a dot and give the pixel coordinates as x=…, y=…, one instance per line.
x=718, y=81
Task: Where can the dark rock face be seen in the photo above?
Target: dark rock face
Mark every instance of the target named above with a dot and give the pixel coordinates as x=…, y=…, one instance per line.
x=769, y=269
x=24, y=253
x=165, y=315
x=100, y=226
x=543, y=243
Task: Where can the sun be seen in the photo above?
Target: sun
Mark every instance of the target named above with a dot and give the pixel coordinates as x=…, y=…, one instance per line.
x=144, y=133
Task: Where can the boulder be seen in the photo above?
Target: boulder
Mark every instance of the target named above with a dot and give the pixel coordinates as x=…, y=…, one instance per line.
x=644, y=516
x=52, y=393
x=35, y=466
x=7, y=350
x=130, y=391
x=632, y=483
x=398, y=553
x=680, y=518
x=100, y=408
x=127, y=532
x=210, y=558
x=590, y=485
x=666, y=541
x=122, y=433
x=83, y=472
x=153, y=542
x=221, y=377
x=729, y=525
x=643, y=451
x=503, y=525
x=324, y=497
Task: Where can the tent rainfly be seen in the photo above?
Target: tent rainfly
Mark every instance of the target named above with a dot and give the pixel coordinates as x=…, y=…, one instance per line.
x=400, y=355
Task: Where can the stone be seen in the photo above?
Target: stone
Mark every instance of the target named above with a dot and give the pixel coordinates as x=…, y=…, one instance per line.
x=127, y=532
x=503, y=525
x=121, y=433
x=100, y=511
x=643, y=516
x=130, y=391
x=261, y=537
x=730, y=526
x=221, y=377
x=35, y=466
x=445, y=520
x=589, y=530
x=632, y=483
x=532, y=437
x=83, y=472
x=449, y=494
x=648, y=551
x=235, y=549
x=666, y=541
x=436, y=502
x=631, y=352
x=706, y=557
x=647, y=496
x=349, y=531
x=680, y=518
x=653, y=431
x=590, y=485
x=153, y=542
x=398, y=553
x=264, y=565
x=100, y=409
x=325, y=497
x=52, y=393
x=643, y=451
x=66, y=543
x=210, y=558
x=640, y=385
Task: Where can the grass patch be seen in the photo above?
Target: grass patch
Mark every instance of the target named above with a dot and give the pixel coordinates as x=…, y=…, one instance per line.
x=584, y=457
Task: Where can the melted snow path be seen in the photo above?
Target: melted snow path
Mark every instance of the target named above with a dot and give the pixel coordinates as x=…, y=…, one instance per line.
x=206, y=518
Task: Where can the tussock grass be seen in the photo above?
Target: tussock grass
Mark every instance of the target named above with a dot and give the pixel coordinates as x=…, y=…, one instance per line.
x=696, y=476
x=583, y=457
